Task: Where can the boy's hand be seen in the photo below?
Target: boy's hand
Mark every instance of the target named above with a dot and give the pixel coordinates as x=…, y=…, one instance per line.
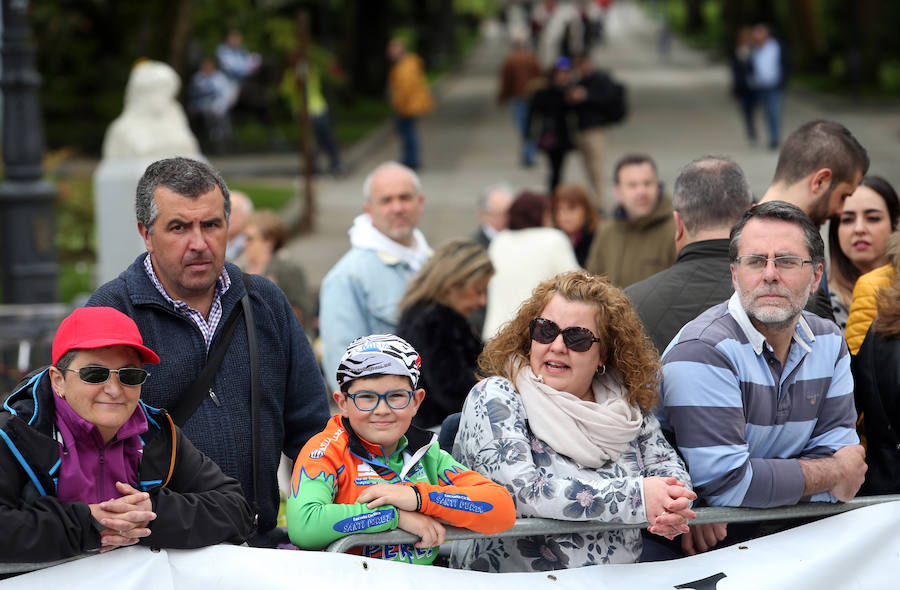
x=396, y=495
x=429, y=530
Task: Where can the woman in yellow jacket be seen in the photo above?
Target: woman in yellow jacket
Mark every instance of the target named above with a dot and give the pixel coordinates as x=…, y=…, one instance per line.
x=865, y=303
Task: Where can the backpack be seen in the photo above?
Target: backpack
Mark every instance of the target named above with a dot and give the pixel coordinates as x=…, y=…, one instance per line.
x=617, y=105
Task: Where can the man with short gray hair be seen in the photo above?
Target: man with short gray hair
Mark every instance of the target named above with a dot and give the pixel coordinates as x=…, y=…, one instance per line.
x=494, y=201
x=241, y=210
x=757, y=392
x=360, y=293
x=710, y=195
x=182, y=295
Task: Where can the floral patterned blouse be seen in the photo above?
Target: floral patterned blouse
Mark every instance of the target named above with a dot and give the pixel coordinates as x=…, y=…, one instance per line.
x=495, y=440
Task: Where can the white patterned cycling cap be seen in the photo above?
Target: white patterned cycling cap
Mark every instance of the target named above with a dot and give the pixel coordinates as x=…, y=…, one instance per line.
x=379, y=354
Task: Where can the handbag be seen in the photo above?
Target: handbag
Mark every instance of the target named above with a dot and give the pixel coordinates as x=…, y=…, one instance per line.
x=548, y=140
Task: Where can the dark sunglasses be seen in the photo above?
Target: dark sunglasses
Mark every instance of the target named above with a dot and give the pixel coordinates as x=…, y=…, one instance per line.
x=96, y=375
x=575, y=338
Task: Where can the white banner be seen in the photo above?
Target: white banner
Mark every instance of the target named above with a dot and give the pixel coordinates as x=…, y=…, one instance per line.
x=857, y=549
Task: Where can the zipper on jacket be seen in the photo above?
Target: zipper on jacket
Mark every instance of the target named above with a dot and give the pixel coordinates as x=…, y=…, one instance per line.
x=100, y=479
x=214, y=397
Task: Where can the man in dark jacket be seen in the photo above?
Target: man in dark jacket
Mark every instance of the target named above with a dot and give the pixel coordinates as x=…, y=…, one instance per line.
x=181, y=293
x=711, y=194
x=598, y=102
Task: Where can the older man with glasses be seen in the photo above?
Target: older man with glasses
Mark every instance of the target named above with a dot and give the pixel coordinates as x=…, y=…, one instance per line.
x=757, y=392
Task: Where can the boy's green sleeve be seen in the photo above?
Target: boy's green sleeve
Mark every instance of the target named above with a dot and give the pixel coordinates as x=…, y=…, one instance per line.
x=464, y=498
x=315, y=521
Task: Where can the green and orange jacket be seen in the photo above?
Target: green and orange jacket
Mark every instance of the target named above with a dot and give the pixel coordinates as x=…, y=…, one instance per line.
x=336, y=465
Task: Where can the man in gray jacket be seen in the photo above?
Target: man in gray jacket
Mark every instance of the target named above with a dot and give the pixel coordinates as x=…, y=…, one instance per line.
x=711, y=194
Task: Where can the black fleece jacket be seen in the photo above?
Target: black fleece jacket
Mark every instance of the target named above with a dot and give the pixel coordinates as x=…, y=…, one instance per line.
x=195, y=503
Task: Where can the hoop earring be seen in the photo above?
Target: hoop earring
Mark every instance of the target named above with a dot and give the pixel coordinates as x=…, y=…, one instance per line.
x=601, y=370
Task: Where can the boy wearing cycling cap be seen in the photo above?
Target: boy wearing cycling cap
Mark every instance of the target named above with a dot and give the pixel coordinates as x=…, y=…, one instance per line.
x=371, y=471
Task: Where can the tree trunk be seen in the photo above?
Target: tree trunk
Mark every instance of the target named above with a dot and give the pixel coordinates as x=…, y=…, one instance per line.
x=810, y=47
x=181, y=30
x=367, y=58
x=694, y=17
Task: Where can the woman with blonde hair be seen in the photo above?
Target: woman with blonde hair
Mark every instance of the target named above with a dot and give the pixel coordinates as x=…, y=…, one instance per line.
x=434, y=316
x=266, y=233
x=263, y=255
x=564, y=422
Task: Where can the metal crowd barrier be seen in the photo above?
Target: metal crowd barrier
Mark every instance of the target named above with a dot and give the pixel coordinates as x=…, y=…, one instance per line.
x=547, y=526
x=21, y=568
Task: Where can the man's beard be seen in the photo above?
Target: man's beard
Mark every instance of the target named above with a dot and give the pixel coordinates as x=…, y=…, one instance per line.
x=774, y=317
x=819, y=210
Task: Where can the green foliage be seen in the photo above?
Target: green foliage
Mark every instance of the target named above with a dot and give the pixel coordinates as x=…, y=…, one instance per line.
x=889, y=76
x=264, y=196
x=75, y=241
x=85, y=51
x=834, y=45
x=477, y=8
x=713, y=33
x=75, y=218
x=353, y=120
x=76, y=279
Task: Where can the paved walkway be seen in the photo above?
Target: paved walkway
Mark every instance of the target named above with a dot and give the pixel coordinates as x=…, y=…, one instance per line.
x=680, y=108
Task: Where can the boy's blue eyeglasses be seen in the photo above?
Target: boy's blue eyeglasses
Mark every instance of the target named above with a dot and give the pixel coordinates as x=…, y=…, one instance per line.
x=366, y=401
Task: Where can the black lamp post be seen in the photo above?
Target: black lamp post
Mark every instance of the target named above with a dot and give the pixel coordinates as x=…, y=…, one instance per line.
x=28, y=266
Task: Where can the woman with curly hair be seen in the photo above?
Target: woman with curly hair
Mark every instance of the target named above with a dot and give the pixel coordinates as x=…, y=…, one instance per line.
x=564, y=423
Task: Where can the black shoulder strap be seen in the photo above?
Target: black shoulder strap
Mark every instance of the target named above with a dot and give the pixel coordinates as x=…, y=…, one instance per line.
x=254, y=379
x=190, y=400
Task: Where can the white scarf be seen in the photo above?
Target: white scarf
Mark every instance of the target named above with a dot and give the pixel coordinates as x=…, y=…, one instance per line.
x=590, y=433
x=365, y=235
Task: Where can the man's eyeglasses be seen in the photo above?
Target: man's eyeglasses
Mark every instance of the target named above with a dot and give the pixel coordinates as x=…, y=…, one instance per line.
x=366, y=401
x=95, y=375
x=575, y=338
x=757, y=263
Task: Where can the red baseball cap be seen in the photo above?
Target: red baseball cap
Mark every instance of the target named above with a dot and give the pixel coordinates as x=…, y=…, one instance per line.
x=98, y=327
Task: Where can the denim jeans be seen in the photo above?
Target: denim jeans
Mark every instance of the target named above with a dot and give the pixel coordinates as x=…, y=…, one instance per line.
x=406, y=129
x=321, y=125
x=520, y=114
x=772, y=100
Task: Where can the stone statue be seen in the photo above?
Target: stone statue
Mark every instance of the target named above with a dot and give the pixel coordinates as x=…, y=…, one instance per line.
x=152, y=123
x=152, y=126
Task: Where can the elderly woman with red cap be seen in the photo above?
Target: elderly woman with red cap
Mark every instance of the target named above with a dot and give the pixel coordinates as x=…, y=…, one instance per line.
x=85, y=466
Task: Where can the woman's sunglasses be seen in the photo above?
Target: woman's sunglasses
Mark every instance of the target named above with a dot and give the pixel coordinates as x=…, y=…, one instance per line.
x=575, y=338
x=95, y=375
